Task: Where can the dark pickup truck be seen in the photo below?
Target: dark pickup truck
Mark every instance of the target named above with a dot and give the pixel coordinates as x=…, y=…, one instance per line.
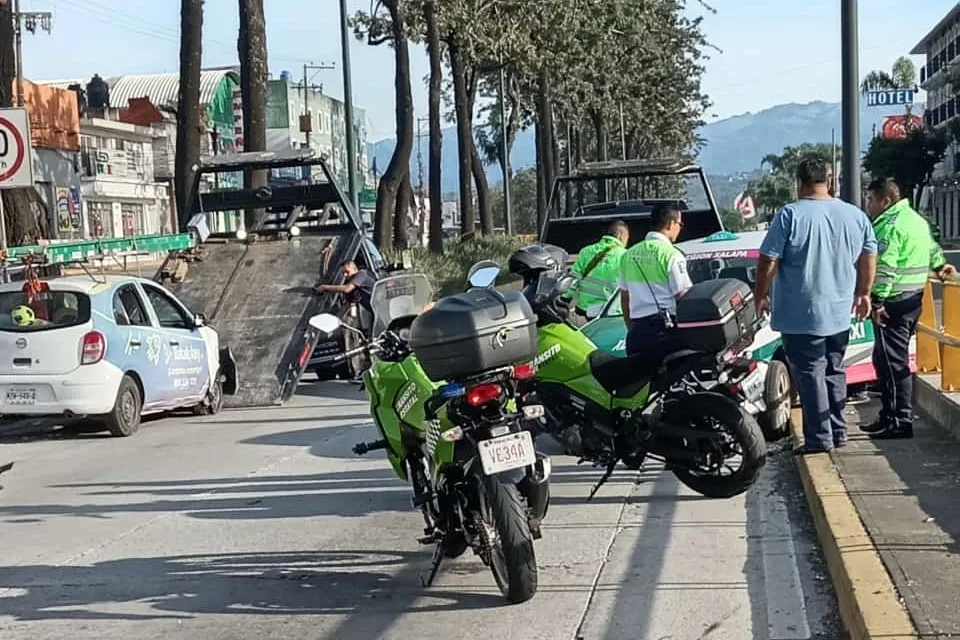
x=585, y=202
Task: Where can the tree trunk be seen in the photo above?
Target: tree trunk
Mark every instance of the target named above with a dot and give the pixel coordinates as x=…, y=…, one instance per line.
x=464, y=137
x=399, y=166
x=483, y=190
x=541, y=181
x=22, y=223
x=600, y=131
x=188, y=109
x=253, y=87
x=401, y=224
x=436, y=137
x=476, y=166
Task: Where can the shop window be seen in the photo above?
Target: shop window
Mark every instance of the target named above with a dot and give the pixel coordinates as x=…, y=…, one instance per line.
x=100, y=219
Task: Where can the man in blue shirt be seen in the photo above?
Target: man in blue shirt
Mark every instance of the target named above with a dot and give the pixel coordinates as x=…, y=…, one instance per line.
x=819, y=255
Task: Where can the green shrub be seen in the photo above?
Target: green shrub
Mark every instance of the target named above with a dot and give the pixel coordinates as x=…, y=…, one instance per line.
x=447, y=271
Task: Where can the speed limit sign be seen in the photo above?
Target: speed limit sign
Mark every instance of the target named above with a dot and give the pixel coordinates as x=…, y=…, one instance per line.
x=16, y=165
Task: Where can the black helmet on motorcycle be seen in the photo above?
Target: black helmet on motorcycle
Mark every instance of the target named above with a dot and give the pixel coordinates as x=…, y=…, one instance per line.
x=530, y=261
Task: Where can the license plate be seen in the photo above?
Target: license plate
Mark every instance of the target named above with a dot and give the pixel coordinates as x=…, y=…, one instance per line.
x=752, y=386
x=21, y=396
x=507, y=452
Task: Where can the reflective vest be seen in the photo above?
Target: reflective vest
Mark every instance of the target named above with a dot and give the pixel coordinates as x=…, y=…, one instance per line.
x=645, y=275
x=601, y=282
x=906, y=252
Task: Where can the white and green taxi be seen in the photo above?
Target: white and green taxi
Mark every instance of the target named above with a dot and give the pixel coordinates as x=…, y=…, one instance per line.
x=734, y=255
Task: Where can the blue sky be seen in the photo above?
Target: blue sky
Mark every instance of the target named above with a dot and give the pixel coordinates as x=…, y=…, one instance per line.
x=773, y=51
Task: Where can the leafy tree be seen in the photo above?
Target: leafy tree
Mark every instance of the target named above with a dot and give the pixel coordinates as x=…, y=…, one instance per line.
x=903, y=75
x=733, y=220
x=779, y=186
x=909, y=161
x=523, y=197
x=389, y=21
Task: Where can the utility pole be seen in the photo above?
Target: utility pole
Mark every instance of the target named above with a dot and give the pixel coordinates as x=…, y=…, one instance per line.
x=306, y=125
x=833, y=161
x=26, y=20
x=850, y=72
x=505, y=152
x=348, y=108
x=623, y=134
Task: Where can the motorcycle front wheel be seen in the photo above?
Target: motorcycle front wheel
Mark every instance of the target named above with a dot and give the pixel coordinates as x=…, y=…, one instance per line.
x=508, y=539
x=741, y=436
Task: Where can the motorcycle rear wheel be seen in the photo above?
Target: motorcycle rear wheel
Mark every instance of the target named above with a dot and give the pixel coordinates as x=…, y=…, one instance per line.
x=721, y=414
x=512, y=558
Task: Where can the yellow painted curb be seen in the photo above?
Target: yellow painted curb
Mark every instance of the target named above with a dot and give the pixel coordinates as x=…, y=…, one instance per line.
x=869, y=605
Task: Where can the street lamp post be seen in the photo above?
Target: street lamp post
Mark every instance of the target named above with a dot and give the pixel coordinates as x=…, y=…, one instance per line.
x=348, y=109
x=850, y=50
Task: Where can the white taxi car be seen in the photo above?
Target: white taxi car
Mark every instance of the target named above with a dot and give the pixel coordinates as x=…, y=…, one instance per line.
x=112, y=348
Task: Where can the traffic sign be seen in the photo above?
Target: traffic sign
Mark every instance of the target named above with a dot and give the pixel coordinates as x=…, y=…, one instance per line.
x=16, y=163
x=888, y=98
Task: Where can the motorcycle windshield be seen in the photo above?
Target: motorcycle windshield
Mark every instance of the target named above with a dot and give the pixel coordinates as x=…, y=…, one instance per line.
x=398, y=296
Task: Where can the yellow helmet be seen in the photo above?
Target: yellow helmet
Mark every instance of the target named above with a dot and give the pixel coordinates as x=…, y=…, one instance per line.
x=23, y=316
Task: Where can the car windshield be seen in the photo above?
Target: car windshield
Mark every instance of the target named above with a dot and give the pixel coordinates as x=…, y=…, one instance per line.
x=23, y=312
x=707, y=267
x=399, y=296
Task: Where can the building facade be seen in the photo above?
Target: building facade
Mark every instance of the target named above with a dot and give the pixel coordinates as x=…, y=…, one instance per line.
x=940, y=79
x=120, y=196
x=289, y=113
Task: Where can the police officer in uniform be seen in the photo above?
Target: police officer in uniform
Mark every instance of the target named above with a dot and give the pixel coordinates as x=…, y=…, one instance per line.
x=653, y=275
x=598, y=268
x=906, y=253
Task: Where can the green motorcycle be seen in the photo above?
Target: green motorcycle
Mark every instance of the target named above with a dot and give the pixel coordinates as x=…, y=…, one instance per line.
x=606, y=409
x=451, y=420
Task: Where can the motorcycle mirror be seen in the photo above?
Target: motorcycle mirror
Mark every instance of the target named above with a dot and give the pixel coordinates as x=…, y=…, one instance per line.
x=483, y=274
x=325, y=323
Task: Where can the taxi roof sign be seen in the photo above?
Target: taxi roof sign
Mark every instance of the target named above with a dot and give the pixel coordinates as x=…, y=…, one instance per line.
x=721, y=236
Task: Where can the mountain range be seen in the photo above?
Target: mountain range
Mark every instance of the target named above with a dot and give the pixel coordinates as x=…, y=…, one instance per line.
x=732, y=145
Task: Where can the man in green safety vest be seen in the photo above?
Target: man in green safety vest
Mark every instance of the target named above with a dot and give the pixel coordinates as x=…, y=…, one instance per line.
x=598, y=268
x=653, y=275
x=906, y=254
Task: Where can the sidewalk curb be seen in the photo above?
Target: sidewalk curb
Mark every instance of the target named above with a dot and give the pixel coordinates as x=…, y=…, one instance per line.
x=939, y=407
x=869, y=604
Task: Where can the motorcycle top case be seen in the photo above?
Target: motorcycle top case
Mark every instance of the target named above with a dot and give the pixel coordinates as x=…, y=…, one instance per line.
x=715, y=314
x=473, y=332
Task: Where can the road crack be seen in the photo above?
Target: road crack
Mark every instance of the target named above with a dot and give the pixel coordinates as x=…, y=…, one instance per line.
x=618, y=528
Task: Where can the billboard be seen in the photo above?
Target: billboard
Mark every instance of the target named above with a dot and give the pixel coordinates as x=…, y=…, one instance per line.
x=896, y=127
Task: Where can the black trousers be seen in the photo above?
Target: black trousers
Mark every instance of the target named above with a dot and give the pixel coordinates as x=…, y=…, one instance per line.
x=651, y=337
x=891, y=359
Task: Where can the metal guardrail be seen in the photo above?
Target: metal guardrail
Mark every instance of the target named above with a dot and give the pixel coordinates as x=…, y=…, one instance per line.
x=938, y=339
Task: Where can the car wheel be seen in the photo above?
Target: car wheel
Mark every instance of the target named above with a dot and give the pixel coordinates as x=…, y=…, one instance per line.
x=213, y=403
x=124, y=420
x=777, y=397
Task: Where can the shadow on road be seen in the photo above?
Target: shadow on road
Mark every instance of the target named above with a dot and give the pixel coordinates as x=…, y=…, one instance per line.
x=336, y=582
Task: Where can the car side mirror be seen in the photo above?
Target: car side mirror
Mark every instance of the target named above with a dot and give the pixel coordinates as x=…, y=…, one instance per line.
x=199, y=320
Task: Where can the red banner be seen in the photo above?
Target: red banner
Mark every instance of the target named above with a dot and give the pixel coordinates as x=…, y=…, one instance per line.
x=895, y=127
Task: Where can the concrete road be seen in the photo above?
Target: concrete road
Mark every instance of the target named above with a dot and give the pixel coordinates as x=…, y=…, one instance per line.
x=261, y=524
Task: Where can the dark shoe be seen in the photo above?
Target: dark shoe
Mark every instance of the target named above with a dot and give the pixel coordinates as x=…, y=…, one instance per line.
x=876, y=426
x=807, y=450
x=893, y=433
x=839, y=442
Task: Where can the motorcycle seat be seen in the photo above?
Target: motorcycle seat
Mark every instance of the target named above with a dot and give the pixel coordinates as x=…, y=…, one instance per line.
x=623, y=377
